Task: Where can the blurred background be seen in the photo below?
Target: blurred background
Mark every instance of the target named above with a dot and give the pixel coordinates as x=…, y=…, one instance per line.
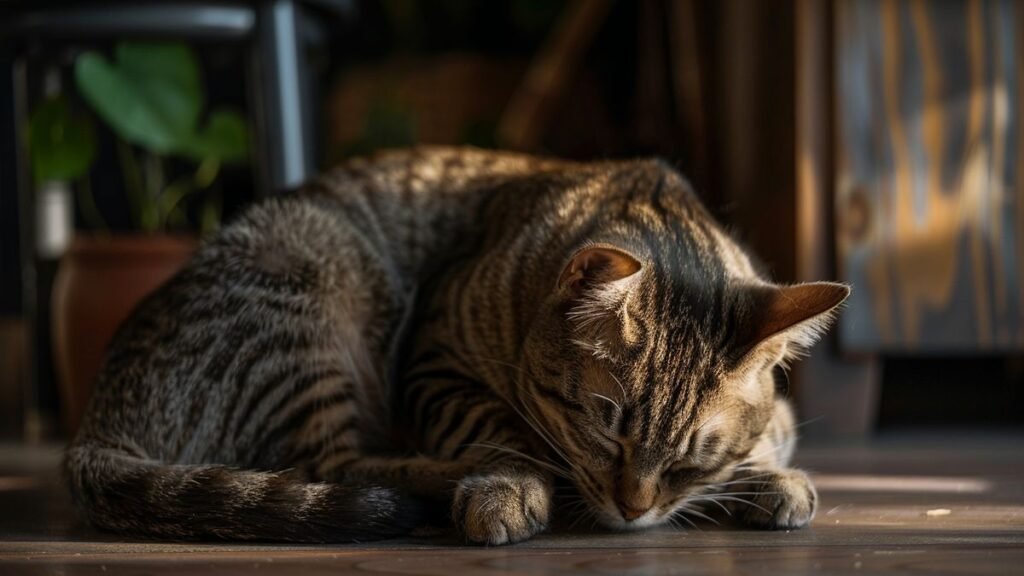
x=873, y=142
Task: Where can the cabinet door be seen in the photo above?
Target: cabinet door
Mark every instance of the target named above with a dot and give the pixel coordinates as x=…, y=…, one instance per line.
x=929, y=155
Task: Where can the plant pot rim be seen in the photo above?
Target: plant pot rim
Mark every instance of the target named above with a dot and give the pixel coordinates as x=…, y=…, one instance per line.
x=131, y=244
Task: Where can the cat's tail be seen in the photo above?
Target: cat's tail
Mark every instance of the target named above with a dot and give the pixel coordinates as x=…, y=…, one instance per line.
x=122, y=492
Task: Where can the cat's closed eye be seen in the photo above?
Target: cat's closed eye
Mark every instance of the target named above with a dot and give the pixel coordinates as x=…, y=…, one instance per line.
x=682, y=471
x=681, y=466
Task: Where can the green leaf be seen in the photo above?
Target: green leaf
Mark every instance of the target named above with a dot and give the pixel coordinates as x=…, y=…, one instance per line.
x=62, y=146
x=225, y=137
x=151, y=95
x=116, y=99
x=167, y=75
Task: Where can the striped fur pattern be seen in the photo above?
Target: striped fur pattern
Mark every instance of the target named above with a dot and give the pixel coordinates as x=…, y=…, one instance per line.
x=455, y=326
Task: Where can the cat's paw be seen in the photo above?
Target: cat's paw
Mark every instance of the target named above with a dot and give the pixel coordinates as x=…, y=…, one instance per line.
x=778, y=500
x=501, y=508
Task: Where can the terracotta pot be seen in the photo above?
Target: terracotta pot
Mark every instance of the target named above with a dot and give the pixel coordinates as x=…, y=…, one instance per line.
x=98, y=284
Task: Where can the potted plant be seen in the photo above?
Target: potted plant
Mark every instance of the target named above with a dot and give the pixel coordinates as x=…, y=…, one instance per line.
x=170, y=154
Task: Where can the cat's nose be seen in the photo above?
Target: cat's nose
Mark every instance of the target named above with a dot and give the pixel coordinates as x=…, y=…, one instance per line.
x=636, y=495
x=630, y=512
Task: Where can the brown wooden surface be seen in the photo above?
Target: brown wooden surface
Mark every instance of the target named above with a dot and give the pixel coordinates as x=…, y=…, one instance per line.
x=874, y=518
x=929, y=196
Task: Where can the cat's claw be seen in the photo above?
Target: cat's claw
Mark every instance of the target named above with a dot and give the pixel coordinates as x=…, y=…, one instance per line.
x=501, y=508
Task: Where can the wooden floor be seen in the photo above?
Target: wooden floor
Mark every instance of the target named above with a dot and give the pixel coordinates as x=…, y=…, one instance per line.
x=906, y=505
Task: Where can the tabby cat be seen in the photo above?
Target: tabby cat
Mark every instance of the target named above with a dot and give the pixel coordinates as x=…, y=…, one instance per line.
x=456, y=326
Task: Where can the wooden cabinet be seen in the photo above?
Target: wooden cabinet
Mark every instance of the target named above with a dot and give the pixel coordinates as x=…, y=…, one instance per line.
x=928, y=182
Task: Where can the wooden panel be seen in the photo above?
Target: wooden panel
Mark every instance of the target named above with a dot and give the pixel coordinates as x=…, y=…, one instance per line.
x=836, y=395
x=929, y=210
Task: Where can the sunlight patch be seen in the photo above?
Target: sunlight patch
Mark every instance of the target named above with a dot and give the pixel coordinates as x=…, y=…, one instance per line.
x=869, y=483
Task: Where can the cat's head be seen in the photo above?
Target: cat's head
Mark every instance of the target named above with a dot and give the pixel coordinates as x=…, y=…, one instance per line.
x=651, y=369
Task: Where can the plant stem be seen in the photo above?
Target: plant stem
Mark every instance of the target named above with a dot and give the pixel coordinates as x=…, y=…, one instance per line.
x=176, y=192
x=89, y=209
x=133, y=185
x=207, y=172
x=211, y=211
x=172, y=196
x=154, y=186
x=151, y=221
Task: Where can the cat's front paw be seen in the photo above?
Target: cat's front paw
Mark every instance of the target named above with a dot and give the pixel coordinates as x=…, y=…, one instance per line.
x=777, y=500
x=501, y=508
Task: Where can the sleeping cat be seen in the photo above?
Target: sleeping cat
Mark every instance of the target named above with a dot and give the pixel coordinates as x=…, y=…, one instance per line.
x=459, y=326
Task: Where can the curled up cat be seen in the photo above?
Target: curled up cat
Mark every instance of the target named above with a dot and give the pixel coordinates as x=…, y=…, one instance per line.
x=456, y=326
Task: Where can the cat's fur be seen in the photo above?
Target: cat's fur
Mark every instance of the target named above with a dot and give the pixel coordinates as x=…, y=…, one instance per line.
x=455, y=325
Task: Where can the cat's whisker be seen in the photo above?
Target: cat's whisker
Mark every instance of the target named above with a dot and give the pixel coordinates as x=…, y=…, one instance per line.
x=752, y=460
x=577, y=509
x=745, y=480
x=571, y=508
x=551, y=467
x=685, y=519
x=713, y=418
x=531, y=420
x=673, y=523
x=544, y=432
x=698, y=514
x=603, y=397
x=734, y=499
x=587, y=514
x=808, y=421
x=744, y=483
x=750, y=480
x=742, y=493
x=534, y=422
x=717, y=503
x=619, y=382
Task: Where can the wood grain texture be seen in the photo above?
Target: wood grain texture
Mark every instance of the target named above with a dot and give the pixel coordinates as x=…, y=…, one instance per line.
x=873, y=519
x=928, y=195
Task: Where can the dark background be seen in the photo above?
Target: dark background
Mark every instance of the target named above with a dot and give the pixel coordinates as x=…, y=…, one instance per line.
x=709, y=86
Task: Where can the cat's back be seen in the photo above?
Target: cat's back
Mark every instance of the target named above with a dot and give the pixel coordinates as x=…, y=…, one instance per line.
x=177, y=367
x=324, y=272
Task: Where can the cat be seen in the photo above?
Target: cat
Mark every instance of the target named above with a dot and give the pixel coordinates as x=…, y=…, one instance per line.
x=460, y=326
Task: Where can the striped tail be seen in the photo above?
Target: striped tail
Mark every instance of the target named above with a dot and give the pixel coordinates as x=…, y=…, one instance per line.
x=124, y=493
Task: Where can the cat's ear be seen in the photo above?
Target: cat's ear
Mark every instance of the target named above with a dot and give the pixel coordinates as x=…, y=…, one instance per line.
x=595, y=266
x=801, y=312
